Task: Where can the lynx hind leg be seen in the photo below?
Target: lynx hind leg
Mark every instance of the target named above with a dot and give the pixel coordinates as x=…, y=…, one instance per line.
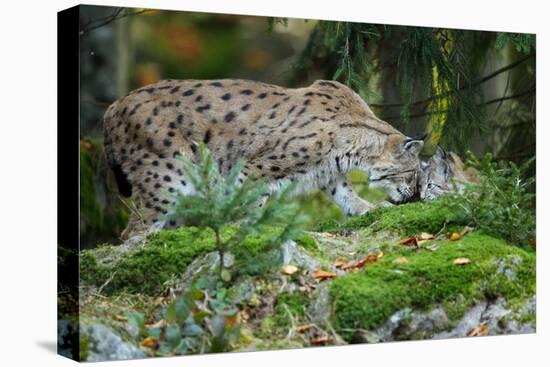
x=343, y=194
x=156, y=183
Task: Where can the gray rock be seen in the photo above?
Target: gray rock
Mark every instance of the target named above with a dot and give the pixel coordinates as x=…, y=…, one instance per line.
x=319, y=308
x=500, y=320
x=295, y=255
x=508, y=269
x=205, y=264
x=105, y=344
x=67, y=338
x=434, y=320
x=530, y=306
x=386, y=331
x=494, y=316
x=470, y=320
x=407, y=324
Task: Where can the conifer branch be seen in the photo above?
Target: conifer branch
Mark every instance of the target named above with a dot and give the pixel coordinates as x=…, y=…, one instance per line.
x=477, y=83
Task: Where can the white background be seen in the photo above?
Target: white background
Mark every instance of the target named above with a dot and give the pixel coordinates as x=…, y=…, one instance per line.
x=28, y=181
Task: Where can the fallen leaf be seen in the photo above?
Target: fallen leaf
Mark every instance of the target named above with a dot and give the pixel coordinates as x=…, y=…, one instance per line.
x=328, y=235
x=303, y=328
x=355, y=264
x=466, y=230
x=289, y=269
x=426, y=236
x=321, y=275
x=400, y=261
x=371, y=258
x=150, y=342
x=454, y=236
x=409, y=242
x=340, y=262
x=461, y=261
x=480, y=330
x=120, y=318
x=321, y=340
x=380, y=255
x=406, y=241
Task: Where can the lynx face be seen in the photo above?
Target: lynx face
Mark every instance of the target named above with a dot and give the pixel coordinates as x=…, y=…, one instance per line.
x=397, y=174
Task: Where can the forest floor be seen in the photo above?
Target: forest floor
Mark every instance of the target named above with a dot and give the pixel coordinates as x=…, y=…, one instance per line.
x=409, y=272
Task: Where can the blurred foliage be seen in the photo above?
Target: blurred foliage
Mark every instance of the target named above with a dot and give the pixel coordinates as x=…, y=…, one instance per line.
x=202, y=320
x=235, y=199
x=502, y=203
x=522, y=42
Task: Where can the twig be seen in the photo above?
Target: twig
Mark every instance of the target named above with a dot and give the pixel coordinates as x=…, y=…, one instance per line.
x=95, y=102
x=106, y=282
x=478, y=82
x=113, y=18
x=496, y=100
x=292, y=322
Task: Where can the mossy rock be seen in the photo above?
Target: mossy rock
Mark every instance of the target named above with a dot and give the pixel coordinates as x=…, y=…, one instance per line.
x=165, y=255
x=364, y=300
x=408, y=218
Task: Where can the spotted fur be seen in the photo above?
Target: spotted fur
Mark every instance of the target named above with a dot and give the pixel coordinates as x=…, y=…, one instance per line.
x=443, y=173
x=313, y=135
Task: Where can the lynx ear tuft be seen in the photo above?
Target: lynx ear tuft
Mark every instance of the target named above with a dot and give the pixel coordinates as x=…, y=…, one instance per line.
x=440, y=152
x=420, y=136
x=414, y=147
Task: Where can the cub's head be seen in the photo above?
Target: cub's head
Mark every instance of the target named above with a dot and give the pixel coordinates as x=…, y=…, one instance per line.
x=435, y=174
x=396, y=169
x=442, y=173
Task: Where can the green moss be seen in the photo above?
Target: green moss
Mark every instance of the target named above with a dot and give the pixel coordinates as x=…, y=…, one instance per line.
x=165, y=254
x=367, y=298
x=145, y=269
x=306, y=241
x=405, y=219
x=84, y=349
x=289, y=305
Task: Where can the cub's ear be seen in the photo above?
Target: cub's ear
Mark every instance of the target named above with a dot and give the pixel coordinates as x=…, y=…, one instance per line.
x=424, y=165
x=440, y=152
x=414, y=147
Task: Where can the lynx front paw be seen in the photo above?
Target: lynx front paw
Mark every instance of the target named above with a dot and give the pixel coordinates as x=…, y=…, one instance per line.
x=383, y=204
x=359, y=208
